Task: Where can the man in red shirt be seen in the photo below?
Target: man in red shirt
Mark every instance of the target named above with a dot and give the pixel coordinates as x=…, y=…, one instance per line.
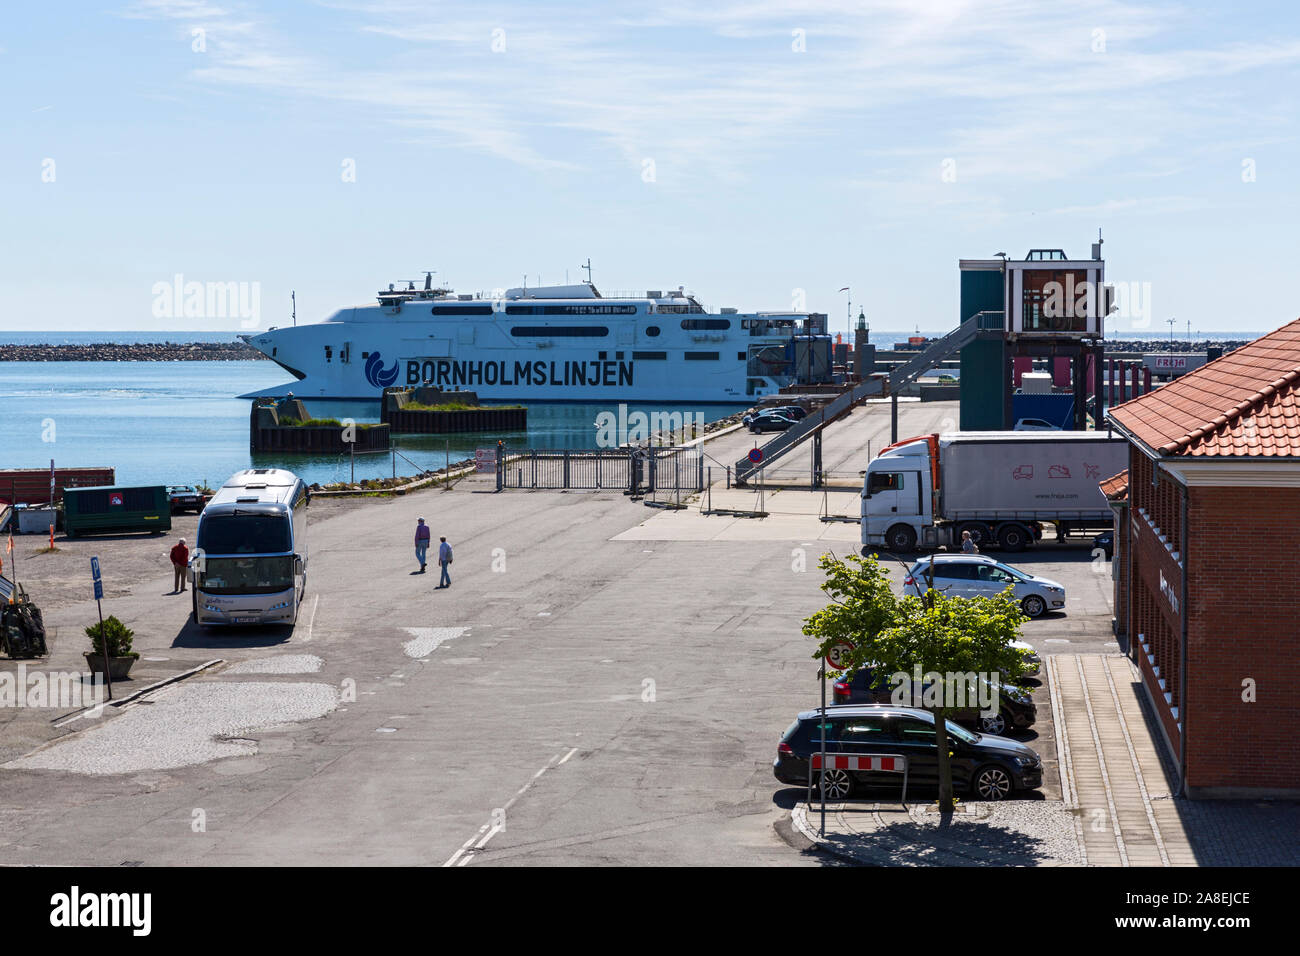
x=180, y=558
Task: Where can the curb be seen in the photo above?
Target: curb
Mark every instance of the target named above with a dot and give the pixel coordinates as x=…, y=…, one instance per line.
x=79, y=714
x=799, y=820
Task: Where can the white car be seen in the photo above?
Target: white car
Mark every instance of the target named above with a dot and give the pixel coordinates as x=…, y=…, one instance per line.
x=1035, y=425
x=977, y=575
x=1034, y=662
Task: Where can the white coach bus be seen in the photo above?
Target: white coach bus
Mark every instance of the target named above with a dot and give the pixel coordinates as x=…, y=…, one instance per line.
x=250, y=556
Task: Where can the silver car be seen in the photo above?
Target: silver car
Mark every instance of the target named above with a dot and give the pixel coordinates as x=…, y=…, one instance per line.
x=977, y=575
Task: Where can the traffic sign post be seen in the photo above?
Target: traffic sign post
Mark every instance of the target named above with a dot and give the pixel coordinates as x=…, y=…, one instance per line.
x=821, y=783
x=103, y=638
x=836, y=658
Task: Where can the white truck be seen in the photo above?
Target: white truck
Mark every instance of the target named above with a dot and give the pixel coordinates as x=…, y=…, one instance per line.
x=1002, y=487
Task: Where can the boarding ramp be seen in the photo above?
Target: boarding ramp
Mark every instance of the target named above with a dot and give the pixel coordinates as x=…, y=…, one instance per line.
x=981, y=324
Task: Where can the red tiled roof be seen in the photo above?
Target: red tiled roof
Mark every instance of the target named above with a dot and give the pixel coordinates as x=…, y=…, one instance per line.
x=1115, y=488
x=1245, y=404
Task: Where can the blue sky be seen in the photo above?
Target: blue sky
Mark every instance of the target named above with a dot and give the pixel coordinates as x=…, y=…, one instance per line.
x=744, y=150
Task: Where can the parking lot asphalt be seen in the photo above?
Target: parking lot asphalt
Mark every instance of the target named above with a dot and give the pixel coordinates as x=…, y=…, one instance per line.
x=578, y=696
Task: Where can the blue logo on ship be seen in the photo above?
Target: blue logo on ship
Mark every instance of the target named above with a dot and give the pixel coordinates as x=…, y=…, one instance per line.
x=377, y=375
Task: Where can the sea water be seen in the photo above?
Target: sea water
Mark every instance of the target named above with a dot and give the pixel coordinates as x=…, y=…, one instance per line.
x=180, y=422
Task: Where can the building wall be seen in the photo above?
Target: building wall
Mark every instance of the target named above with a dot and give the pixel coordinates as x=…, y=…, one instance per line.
x=1236, y=550
x=1119, y=569
x=1156, y=588
x=983, y=364
x=981, y=291
x=983, y=377
x=1244, y=625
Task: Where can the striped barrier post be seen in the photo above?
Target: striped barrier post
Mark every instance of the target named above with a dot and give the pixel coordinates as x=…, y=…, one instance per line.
x=880, y=763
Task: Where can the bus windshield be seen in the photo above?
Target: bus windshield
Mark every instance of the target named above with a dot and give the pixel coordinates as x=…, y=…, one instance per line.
x=253, y=575
x=245, y=534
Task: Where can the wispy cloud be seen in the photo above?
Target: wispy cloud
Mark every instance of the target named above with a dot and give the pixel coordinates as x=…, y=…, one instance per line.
x=1012, y=88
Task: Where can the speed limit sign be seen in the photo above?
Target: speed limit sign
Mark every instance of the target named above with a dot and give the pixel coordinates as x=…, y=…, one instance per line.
x=837, y=658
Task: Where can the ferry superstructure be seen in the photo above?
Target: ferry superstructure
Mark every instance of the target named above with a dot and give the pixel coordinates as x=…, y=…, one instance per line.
x=551, y=344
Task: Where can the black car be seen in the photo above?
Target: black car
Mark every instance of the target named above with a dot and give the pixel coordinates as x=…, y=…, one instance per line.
x=796, y=412
x=1105, y=541
x=770, y=422
x=184, y=498
x=1015, y=707
x=989, y=767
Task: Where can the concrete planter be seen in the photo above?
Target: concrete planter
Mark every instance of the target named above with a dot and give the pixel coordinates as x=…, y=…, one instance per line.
x=118, y=667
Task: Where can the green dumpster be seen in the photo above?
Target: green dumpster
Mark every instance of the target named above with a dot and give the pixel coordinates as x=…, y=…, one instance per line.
x=116, y=509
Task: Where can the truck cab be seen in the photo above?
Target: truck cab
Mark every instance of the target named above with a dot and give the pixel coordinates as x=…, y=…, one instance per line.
x=898, y=496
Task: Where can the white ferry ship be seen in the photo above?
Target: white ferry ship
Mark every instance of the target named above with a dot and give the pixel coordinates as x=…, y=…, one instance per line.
x=552, y=344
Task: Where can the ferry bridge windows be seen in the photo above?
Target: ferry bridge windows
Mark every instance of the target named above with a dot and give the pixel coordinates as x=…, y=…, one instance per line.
x=560, y=331
x=740, y=356
x=650, y=356
x=701, y=356
x=618, y=356
x=462, y=310
x=652, y=331
x=698, y=325
x=570, y=310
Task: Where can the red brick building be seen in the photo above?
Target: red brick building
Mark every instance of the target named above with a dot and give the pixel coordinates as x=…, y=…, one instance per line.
x=1207, y=565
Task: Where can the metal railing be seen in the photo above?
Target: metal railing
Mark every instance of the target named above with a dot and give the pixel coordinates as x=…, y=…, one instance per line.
x=637, y=471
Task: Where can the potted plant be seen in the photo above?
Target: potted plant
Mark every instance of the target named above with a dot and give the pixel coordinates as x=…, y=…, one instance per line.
x=118, y=638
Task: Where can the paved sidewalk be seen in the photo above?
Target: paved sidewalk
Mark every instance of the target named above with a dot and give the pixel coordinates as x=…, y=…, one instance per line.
x=1011, y=833
x=1111, y=766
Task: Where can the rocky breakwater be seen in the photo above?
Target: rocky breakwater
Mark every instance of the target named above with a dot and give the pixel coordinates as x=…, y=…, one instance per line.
x=135, y=352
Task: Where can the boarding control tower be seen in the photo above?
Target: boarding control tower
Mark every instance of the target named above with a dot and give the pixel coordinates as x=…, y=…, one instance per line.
x=1050, y=307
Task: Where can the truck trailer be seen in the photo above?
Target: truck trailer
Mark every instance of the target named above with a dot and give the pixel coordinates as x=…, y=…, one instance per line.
x=1002, y=487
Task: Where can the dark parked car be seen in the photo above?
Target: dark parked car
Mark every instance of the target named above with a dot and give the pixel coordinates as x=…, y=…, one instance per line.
x=796, y=412
x=1105, y=541
x=989, y=767
x=1015, y=707
x=770, y=422
x=184, y=498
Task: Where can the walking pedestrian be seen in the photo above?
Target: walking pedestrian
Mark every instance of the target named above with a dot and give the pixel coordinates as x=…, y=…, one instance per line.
x=968, y=545
x=444, y=559
x=180, y=556
x=421, y=542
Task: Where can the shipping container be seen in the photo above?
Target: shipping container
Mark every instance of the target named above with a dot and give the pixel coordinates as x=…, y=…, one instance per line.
x=116, y=509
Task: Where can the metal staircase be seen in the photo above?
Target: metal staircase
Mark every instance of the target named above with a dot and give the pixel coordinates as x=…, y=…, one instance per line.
x=985, y=324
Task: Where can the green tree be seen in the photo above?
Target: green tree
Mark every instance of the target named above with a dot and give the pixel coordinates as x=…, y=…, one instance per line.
x=935, y=634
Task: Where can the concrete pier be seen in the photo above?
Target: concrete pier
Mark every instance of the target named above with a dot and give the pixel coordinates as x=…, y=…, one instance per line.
x=439, y=412
x=276, y=425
